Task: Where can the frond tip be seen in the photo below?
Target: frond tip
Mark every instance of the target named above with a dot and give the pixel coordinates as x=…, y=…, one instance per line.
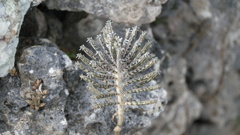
x=117, y=68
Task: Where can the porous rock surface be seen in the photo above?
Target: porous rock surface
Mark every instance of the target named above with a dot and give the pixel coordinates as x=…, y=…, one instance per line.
x=11, y=17
x=130, y=11
x=44, y=62
x=204, y=33
x=182, y=108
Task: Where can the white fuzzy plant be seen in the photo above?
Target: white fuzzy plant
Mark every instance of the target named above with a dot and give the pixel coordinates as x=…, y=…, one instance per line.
x=117, y=68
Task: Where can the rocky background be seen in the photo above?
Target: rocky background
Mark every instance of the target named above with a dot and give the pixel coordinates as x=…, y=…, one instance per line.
x=202, y=75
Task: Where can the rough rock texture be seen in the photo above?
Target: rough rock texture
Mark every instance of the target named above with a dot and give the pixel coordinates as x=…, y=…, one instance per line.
x=37, y=62
x=11, y=17
x=205, y=33
x=131, y=11
x=202, y=37
x=182, y=108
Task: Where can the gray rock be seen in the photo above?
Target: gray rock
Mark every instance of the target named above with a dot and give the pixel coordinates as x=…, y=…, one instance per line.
x=212, y=62
x=11, y=17
x=182, y=108
x=44, y=62
x=36, y=2
x=10, y=103
x=137, y=11
x=47, y=63
x=206, y=34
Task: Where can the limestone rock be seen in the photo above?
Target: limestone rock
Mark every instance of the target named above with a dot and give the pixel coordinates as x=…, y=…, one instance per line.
x=44, y=62
x=136, y=11
x=182, y=108
x=11, y=17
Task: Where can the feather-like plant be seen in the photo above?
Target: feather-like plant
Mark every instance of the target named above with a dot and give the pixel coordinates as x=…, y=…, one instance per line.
x=116, y=68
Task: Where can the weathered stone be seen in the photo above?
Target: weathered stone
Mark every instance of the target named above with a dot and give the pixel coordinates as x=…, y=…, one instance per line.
x=182, y=108
x=44, y=62
x=11, y=17
x=137, y=11
x=209, y=41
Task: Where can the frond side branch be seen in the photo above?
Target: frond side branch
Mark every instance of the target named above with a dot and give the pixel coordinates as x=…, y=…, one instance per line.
x=105, y=104
x=92, y=43
x=102, y=63
x=92, y=65
x=87, y=79
x=108, y=33
x=88, y=52
x=145, y=77
x=144, y=49
x=125, y=41
x=83, y=67
x=101, y=76
x=129, y=45
x=91, y=88
x=106, y=49
x=139, y=60
x=135, y=47
x=145, y=89
x=143, y=67
x=108, y=36
x=105, y=95
x=104, y=84
x=146, y=102
x=102, y=66
x=103, y=59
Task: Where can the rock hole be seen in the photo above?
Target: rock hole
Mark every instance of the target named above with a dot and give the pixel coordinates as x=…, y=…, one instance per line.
x=170, y=83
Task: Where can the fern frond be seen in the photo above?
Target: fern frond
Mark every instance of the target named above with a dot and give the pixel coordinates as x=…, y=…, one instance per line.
x=115, y=69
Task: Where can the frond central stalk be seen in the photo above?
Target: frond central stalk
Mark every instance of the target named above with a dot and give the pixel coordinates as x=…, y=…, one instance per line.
x=119, y=89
